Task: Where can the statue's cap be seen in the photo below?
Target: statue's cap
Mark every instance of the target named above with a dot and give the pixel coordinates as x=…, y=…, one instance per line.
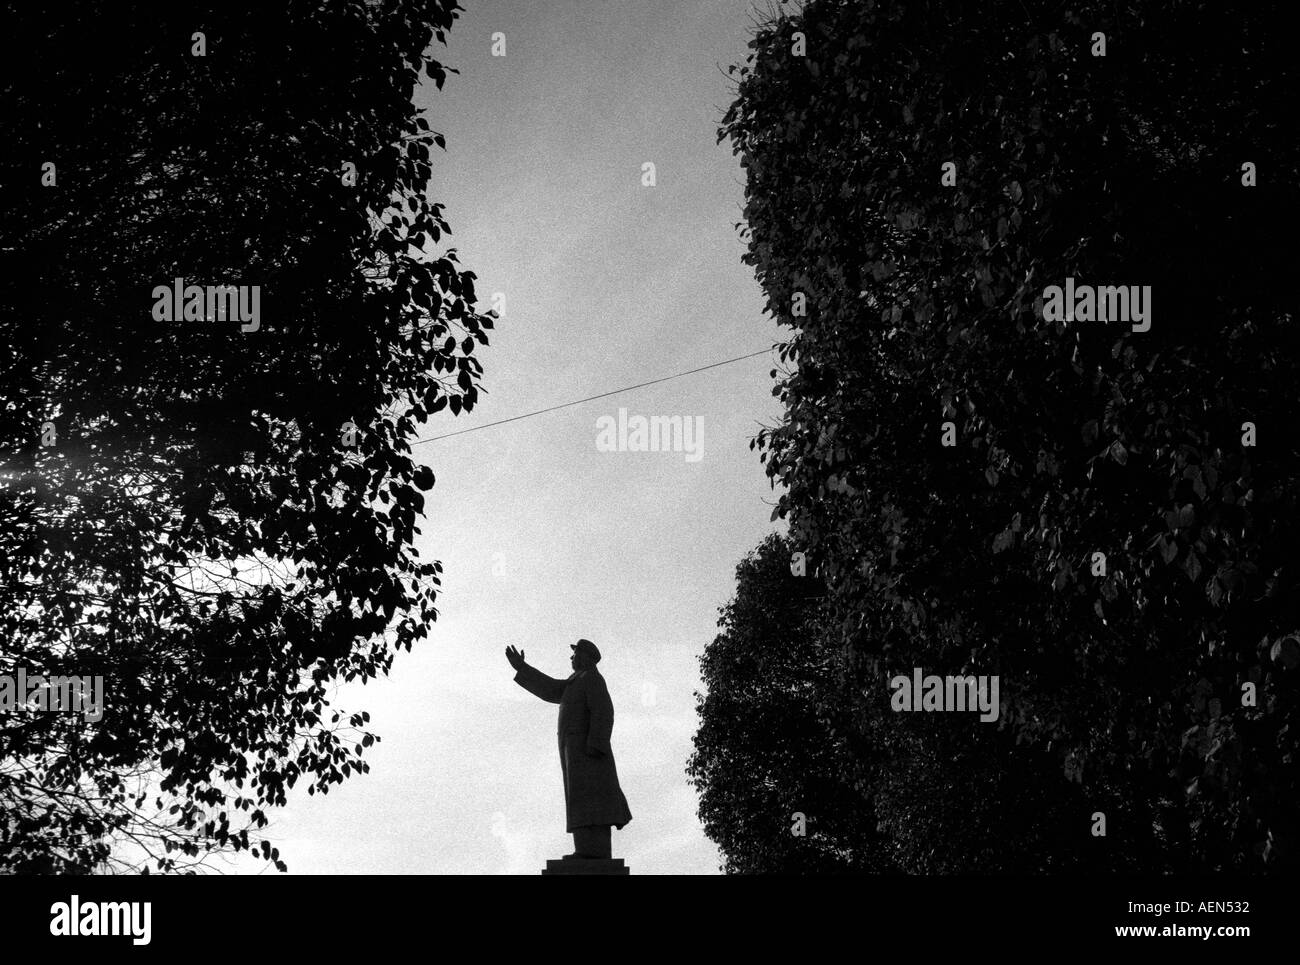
x=587, y=647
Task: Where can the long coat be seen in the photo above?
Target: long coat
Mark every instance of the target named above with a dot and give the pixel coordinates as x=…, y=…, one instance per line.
x=591, y=792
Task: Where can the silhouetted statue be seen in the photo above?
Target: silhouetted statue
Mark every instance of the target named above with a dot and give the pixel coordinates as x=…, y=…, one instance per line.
x=592, y=798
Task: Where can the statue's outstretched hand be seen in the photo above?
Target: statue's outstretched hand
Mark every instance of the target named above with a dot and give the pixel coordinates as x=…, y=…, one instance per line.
x=515, y=656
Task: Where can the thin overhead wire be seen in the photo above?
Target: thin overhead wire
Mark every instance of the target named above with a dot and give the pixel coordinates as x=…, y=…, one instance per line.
x=592, y=398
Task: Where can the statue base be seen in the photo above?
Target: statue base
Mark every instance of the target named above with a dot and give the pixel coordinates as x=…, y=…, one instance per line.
x=586, y=866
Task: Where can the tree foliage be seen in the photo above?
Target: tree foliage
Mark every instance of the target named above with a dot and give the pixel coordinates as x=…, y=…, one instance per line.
x=1121, y=693
x=200, y=532
x=766, y=749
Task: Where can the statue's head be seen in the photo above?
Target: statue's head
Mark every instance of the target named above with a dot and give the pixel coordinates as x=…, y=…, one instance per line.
x=585, y=655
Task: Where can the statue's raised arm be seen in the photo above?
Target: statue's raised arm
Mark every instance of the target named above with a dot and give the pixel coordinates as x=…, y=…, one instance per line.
x=533, y=680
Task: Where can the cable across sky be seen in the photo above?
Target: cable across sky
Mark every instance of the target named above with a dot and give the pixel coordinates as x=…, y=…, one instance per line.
x=592, y=398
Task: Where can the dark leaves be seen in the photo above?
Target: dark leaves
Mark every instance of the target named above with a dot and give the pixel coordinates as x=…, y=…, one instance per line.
x=242, y=556
x=928, y=307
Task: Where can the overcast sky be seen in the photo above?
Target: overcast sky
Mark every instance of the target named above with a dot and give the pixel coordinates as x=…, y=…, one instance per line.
x=544, y=538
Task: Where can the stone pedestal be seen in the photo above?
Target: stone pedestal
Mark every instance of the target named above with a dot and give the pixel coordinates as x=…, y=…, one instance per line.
x=586, y=866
